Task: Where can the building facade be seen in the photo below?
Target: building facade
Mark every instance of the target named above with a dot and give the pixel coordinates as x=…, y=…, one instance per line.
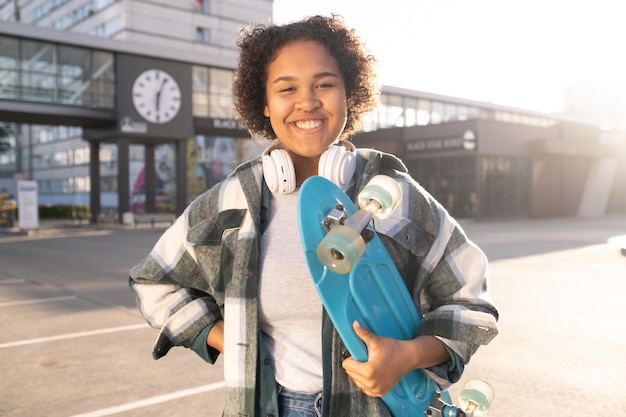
x=480, y=160
x=200, y=33
x=484, y=161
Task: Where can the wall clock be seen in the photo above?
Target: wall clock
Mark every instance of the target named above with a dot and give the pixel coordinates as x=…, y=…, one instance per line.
x=156, y=96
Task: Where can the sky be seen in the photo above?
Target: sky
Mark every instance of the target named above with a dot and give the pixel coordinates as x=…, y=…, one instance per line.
x=510, y=52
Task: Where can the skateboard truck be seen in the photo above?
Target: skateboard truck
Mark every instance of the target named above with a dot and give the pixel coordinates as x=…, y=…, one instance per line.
x=347, y=236
x=475, y=399
x=337, y=216
x=439, y=408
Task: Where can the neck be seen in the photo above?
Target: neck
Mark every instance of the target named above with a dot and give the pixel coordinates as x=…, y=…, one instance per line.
x=305, y=167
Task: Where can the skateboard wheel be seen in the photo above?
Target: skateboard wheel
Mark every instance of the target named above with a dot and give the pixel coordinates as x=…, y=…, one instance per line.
x=476, y=396
x=340, y=249
x=385, y=191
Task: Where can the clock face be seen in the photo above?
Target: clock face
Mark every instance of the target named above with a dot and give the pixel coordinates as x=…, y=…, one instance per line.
x=156, y=96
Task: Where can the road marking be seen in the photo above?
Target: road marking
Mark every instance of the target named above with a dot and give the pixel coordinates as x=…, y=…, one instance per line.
x=153, y=400
x=57, y=235
x=72, y=335
x=12, y=281
x=38, y=301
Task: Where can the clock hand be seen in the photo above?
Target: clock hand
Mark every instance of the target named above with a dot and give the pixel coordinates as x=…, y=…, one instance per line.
x=158, y=94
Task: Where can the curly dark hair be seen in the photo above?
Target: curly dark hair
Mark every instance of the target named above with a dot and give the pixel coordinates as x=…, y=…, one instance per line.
x=260, y=46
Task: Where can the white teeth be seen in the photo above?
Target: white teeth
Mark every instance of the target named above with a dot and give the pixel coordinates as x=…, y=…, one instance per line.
x=308, y=124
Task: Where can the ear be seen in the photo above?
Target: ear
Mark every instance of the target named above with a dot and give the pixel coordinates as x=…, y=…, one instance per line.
x=266, y=111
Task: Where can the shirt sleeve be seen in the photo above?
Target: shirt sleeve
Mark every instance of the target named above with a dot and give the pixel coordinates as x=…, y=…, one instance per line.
x=446, y=274
x=169, y=291
x=448, y=372
x=200, y=346
x=452, y=286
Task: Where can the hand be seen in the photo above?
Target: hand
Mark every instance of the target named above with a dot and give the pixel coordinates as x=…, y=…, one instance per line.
x=384, y=366
x=215, y=338
x=390, y=359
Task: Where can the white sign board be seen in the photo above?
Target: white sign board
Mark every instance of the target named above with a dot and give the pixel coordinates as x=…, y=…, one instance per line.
x=27, y=204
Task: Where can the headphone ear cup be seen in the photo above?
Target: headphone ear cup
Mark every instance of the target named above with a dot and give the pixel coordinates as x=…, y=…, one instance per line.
x=338, y=164
x=269, y=173
x=278, y=170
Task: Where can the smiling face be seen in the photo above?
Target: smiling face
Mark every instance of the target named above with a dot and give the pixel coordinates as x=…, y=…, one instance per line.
x=305, y=99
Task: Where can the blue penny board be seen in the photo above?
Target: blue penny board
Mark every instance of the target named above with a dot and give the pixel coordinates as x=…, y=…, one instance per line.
x=373, y=293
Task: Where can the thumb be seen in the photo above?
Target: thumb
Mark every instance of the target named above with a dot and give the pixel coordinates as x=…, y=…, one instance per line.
x=365, y=335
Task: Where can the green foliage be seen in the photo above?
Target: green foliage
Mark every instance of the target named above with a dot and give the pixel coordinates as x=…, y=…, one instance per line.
x=62, y=211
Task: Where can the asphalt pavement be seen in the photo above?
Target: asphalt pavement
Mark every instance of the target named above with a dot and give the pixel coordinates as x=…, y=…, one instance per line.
x=73, y=343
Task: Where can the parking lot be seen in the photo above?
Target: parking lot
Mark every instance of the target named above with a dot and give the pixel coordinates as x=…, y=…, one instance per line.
x=73, y=343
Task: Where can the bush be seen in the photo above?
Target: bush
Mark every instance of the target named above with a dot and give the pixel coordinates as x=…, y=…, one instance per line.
x=63, y=211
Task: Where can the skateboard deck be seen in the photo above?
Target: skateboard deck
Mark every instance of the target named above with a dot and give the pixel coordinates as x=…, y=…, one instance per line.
x=372, y=292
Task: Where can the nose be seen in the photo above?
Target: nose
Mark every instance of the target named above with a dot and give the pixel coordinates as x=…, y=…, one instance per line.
x=307, y=101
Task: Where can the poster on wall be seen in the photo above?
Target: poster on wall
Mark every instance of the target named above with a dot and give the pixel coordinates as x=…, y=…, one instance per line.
x=27, y=204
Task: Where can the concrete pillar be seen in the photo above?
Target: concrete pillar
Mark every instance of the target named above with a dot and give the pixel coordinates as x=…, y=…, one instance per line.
x=181, y=176
x=150, y=179
x=123, y=178
x=94, y=177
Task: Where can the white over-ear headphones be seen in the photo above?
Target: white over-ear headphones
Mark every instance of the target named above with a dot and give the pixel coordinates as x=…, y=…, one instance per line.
x=337, y=164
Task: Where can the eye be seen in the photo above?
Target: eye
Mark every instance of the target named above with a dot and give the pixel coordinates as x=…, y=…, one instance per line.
x=325, y=84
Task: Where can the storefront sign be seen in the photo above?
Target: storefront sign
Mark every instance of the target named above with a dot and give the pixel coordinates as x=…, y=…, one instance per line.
x=233, y=124
x=128, y=125
x=467, y=142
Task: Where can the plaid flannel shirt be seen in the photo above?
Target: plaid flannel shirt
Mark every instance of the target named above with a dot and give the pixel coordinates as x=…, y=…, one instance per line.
x=205, y=267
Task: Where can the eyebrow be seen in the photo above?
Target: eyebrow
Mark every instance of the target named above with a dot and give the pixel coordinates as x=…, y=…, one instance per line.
x=289, y=78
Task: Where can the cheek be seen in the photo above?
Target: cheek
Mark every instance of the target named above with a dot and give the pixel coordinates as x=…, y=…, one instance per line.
x=344, y=110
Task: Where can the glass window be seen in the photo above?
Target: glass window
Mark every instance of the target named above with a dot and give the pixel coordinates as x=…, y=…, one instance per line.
x=101, y=89
x=73, y=76
x=437, y=112
x=101, y=4
x=473, y=113
x=9, y=68
x=220, y=93
x=390, y=111
x=81, y=156
x=108, y=28
x=82, y=184
x=410, y=111
x=463, y=113
x=423, y=112
x=82, y=13
x=42, y=10
x=38, y=71
x=506, y=186
x=200, y=91
x=212, y=92
x=202, y=6
x=63, y=23
x=203, y=35
x=393, y=110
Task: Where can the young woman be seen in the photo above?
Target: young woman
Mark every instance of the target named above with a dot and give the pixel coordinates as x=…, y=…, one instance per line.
x=230, y=275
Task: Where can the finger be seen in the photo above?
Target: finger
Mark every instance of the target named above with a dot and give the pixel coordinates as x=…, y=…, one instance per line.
x=364, y=334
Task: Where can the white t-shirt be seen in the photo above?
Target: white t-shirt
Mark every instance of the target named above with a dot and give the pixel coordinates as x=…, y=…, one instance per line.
x=290, y=308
